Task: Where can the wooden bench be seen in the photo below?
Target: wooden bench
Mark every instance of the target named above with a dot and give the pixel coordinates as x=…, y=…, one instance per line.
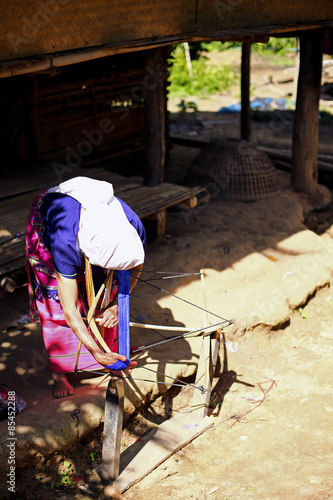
x=150, y=203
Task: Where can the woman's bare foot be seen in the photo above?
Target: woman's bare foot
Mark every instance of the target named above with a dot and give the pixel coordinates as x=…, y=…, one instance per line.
x=62, y=387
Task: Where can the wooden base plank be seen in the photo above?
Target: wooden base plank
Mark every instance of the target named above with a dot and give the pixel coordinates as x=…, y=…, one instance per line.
x=160, y=443
x=113, y=423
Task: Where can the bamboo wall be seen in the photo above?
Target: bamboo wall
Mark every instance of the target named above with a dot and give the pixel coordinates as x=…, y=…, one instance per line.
x=33, y=27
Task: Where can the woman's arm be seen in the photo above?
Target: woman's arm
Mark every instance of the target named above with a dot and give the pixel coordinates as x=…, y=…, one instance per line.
x=68, y=295
x=109, y=317
x=135, y=274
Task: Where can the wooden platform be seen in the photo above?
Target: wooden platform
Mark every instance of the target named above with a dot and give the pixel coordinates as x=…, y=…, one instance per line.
x=17, y=193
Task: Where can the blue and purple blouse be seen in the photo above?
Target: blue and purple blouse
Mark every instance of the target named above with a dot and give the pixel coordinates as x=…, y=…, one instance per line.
x=61, y=217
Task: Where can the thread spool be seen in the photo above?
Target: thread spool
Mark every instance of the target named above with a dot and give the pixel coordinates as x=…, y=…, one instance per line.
x=7, y=284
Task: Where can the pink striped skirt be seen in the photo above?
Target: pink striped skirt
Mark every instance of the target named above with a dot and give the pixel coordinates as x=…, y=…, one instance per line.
x=60, y=341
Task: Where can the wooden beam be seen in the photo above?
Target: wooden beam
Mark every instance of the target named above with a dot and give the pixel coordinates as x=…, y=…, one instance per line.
x=245, y=92
x=162, y=327
x=305, y=137
x=154, y=118
x=46, y=62
x=190, y=332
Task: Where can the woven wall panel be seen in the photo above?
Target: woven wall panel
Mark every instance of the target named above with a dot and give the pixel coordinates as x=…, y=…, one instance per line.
x=33, y=27
x=72, y=114
x=91, y=108
x=232, y=14
x=47, y=26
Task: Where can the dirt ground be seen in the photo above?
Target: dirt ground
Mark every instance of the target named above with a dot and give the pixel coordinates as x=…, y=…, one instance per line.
x=280, y=449
x=271, y=405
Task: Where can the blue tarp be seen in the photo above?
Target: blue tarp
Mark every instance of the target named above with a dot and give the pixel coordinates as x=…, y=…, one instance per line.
x=258, y=104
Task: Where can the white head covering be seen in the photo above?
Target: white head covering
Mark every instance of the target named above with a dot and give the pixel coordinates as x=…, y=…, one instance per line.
x=105, y=235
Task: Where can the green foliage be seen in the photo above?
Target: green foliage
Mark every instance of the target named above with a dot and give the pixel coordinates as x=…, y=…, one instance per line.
x=66, y=473
x=226, y=45
x=302, y=313
x=187, y=106
x=207, y=78
x=212, y=46
x=94, y=456
x=279, y=46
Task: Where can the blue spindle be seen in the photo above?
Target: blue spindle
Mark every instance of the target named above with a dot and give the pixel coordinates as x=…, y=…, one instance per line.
x=123, y=320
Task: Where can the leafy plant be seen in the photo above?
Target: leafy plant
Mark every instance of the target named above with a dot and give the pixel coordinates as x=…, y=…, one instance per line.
x=208, y=78
x=186, y=106
x=94, y=456
x=213, y=46
x=66, y=477
x=279, y=46
x=302, y=313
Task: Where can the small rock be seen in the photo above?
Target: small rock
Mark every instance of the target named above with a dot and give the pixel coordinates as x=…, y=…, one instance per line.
x=321, y=199
x=112, y=492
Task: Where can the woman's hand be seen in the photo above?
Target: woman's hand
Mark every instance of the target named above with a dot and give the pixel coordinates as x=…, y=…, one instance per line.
x=109, y=358
x=125, y=373
x=108, y=317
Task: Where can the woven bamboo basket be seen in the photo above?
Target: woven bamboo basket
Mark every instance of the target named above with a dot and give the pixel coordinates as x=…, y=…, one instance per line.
x=234, y=170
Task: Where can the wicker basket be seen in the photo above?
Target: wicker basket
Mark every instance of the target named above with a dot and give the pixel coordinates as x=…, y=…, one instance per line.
x=234, y=170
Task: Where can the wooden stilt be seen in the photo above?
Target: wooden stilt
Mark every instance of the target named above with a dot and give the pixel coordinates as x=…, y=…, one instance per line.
x=245, y=92
x=305, y=138
x=113, y=424
x=154, y=119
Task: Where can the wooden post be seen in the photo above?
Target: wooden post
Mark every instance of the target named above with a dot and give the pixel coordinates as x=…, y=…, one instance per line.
x=154, y=118
x=113, y=424
x=305, y=138
x=206, y=365
x=245, y=92
x=206, y=340
x=32, y=132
